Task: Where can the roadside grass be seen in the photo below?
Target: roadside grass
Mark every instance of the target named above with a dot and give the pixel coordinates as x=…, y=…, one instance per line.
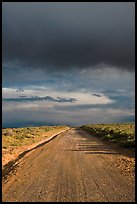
x=122, y=134
x=15, y=137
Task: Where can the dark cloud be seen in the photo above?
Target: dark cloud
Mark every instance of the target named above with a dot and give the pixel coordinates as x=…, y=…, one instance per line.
x=62, y=36
x=24, y=98
x=19, y=90
x=97, y=95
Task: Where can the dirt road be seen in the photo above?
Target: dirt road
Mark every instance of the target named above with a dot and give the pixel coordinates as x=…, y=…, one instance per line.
x=71, y=167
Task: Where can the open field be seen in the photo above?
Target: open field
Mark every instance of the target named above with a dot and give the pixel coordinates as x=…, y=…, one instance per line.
x=122, y=134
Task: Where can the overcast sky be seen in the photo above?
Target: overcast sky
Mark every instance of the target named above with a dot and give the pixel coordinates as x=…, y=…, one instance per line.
x=84, y=51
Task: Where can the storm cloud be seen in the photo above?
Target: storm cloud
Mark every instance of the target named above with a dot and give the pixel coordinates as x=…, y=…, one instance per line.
x=64, y=36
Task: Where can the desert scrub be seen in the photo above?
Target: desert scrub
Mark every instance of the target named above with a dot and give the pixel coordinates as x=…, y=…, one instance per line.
x=120, y=133
x=13, y=137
